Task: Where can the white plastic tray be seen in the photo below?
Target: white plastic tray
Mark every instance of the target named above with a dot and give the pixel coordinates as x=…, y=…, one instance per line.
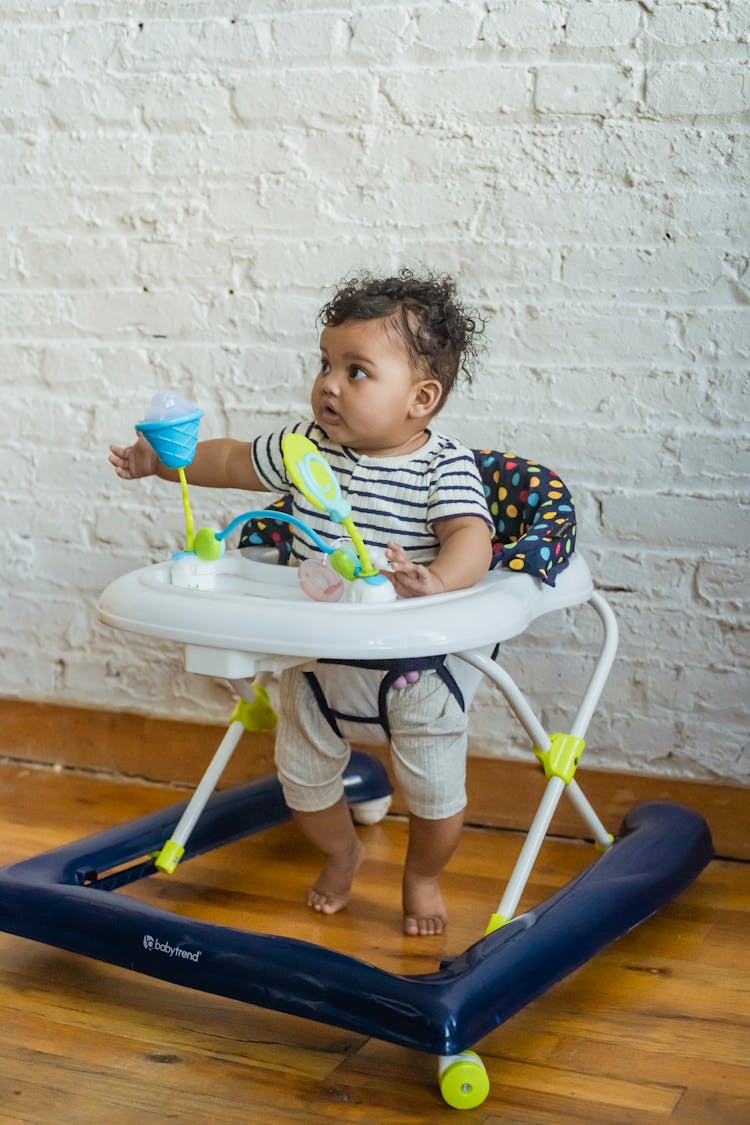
x=251, y=610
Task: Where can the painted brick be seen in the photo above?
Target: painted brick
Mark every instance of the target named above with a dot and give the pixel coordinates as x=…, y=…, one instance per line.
x=464, y=27
x=602, y=23
x=308, y=35
x=204, y=158
x=194, y=105
x=736, y=19
x=671, y=270
x=466, y=95
x=719, y=582
x=379, y=33
x=681, y=25
x=725, y=337
x=68, y=104
x=673, y=519
x=690, y=89
x=180, y=191
x=588, y=89
x=596, y=217
x=72, y=263
x=533, y=24
x=20, y=43
x=176, y=46
x=315, y=95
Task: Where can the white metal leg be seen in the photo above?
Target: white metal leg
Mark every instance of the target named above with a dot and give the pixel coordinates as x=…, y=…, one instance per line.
x=530, y=850
x=172, y=851
x=540, y=740
x=602, y=669
x=585, y=810
x=513, y=695
x=585, y=711
x=208, y=783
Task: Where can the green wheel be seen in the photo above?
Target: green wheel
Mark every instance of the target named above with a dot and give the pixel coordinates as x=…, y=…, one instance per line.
x=463, y=1080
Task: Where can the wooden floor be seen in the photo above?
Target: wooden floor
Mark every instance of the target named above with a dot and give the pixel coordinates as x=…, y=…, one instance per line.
x=653, y=1030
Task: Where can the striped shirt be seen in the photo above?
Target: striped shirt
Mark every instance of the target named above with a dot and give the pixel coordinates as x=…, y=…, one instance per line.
x=398, y=498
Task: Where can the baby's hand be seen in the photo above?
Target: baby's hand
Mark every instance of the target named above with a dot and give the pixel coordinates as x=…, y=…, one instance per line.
x=412, y=580
x=134, y=461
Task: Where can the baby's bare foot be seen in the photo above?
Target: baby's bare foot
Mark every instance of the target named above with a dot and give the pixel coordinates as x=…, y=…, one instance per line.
x=424, y=909
x=330, y=892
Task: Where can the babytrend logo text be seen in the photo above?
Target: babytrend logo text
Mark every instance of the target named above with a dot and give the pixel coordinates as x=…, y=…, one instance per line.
x=154, y=945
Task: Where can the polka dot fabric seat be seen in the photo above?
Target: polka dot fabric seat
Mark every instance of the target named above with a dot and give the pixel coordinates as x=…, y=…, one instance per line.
x=533, y=512
x=270, y=533
x=535, y=521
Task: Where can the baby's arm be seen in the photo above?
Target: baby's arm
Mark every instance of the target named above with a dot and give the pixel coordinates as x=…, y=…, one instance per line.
x=464, y=558
x=220, y=463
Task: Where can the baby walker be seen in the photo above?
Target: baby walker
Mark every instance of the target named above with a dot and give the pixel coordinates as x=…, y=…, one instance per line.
x=242, y=618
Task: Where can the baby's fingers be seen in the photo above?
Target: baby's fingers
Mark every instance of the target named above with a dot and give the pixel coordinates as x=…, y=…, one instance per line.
x=411, y=581
x=396, y=554
x=119, y=458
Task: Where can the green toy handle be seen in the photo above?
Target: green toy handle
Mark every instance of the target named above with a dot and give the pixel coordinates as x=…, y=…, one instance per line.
x=311, y=474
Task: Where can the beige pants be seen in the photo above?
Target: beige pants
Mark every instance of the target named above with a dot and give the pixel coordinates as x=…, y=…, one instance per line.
x=428, y=747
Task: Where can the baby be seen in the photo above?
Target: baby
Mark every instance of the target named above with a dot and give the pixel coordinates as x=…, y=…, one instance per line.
x=390, y=353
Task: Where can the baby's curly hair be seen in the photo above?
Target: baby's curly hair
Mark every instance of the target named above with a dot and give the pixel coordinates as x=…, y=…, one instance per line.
x=439, y=332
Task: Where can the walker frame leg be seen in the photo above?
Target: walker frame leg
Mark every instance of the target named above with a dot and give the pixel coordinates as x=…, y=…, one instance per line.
x=541, y=741
x=253, y=712
x=174, y=849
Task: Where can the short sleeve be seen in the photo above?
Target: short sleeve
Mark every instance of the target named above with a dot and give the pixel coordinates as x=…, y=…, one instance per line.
x=456, y=488
x=267, y=457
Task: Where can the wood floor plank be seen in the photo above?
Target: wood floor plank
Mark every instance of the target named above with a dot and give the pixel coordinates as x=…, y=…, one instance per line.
x=502, y=793
x=652, y=1031
x=715, y=1106
x=621, y=1093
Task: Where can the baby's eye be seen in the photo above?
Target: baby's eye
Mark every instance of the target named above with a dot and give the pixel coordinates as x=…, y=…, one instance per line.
x=356, y=374
x=325, y=366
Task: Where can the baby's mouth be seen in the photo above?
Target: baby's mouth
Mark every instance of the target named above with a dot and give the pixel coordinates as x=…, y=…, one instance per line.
x=329, y=414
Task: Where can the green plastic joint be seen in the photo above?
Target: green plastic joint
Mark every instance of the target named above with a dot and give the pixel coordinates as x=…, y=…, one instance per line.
x=169, y=856
x=495, y=923
x=255, y=716
x=562, y=758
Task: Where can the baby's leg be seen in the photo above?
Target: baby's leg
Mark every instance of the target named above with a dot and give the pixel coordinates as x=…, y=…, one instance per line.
x=310, y=760
x=428, y=743
x=332, y=831
x=431, y=845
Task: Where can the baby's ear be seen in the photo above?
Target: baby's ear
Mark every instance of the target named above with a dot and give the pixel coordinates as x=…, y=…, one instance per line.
x=427, y=396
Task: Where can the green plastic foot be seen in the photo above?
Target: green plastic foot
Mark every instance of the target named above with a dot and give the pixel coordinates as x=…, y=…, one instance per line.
x=169, y=856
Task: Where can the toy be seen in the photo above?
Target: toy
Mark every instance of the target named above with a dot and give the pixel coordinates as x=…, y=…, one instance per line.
x=171, y=426
x=239, y=618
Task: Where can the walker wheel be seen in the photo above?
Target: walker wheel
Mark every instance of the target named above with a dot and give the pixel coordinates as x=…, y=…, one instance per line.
x=371, y=812
x=463, y=1081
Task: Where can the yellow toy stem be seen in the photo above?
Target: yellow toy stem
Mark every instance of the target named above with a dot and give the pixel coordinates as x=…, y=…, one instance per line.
x=367, y=568
x=189, y=525
x=311, y=474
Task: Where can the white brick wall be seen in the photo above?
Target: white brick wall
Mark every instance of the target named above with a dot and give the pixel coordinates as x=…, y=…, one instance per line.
x=180, y=185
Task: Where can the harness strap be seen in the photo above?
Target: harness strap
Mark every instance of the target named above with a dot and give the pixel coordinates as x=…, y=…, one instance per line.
x=322, y=702
x=393, y=669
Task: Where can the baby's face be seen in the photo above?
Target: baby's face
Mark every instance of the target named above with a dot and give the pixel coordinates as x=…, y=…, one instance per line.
x=366, y=394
